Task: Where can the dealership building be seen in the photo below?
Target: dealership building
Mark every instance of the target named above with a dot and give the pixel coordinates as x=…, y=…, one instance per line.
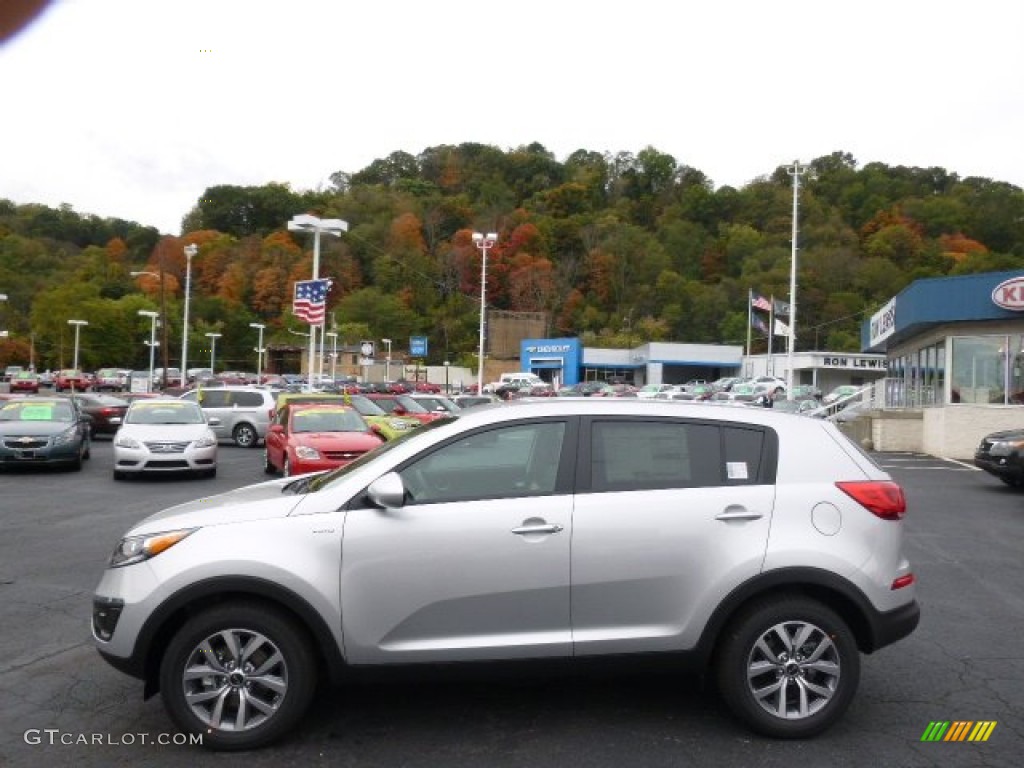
x=954, y=350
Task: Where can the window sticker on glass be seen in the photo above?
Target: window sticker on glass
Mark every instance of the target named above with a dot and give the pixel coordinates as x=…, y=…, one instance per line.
x=736, y=470
x=41, y=412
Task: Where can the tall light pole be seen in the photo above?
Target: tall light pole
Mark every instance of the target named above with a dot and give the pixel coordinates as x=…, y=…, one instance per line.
x=213, y=350
x=796, y=171
x=483, y=243
x=387, y=360
x=305, y=222
x=190, y=250
x=78, y=326
x=152, y=340
x=3, y=334
x=333, y=336
x=163, y=315
x=259, y=352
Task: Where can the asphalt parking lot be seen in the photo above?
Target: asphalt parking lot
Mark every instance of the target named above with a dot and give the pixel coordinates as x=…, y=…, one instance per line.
x=964, y=663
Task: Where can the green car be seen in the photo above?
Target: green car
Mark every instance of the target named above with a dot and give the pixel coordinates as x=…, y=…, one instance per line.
x=389, y=426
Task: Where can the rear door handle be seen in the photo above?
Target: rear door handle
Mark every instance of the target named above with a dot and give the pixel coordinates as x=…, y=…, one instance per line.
x=524, y=530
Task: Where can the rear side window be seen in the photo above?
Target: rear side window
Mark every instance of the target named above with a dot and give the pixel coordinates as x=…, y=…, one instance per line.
x=645, y=455
x=213, y=398
x=247, y=399
x=631, y=455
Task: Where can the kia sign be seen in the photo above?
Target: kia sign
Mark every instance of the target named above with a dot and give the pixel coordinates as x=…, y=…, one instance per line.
x=1009, y=294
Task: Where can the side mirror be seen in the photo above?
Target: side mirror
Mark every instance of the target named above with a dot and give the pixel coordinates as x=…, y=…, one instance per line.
x=376, y=429
x=387, y=492
x=399, y=410
x=277, y=429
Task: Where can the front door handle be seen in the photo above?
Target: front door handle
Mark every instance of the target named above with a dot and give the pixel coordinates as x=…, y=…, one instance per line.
x=739, y=513
x=524, y=530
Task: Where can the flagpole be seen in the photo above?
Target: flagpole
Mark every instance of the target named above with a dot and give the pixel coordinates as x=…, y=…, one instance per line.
x=750, y=325
x=771, y=337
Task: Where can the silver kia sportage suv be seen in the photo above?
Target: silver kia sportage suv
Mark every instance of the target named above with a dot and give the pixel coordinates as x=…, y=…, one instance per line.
x=763, y=546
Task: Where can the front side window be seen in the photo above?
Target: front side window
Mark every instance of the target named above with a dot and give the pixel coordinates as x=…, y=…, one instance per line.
x=508, y=461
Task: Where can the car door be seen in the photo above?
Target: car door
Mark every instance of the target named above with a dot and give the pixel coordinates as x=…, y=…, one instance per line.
x=670, y=515
x=475, y=565
x=214, y=402
x=276, y=442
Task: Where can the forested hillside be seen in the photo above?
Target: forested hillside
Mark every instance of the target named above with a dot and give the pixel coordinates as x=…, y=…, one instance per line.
x=617, y=249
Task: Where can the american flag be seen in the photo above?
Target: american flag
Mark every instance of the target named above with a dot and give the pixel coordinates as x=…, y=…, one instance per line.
x=760, y=302
x=310, y=303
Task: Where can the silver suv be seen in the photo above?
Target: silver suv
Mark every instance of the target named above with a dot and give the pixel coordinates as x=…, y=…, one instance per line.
x=244, y=412
x=763, y=545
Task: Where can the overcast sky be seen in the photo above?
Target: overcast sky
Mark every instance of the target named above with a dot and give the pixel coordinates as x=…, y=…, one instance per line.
x=131, y=108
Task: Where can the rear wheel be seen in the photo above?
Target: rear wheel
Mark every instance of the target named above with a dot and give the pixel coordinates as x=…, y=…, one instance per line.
x=245, y=436
x=242, y=675
x=789, y=667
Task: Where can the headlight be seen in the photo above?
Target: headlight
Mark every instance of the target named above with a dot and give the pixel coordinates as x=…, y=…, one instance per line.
x=67, y=436
x=1006, y=447
x=126, y=441
x=135, y=549
x=205, y=441
x=305, y=452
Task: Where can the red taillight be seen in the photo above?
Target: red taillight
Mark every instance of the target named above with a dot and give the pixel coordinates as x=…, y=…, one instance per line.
x=108, y=411
x=903, y=581
x=883, y=498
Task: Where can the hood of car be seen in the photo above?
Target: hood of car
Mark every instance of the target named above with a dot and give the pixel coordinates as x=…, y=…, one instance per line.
x=336, y=441
x=155, y=432
x=252, y=502
x=34, y=427
x=1006, y=435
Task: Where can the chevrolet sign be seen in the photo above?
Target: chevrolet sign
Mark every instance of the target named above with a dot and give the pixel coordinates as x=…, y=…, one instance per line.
x=1009, y=294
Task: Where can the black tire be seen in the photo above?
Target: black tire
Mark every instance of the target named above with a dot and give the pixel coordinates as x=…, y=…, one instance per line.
x=245, y=435
x=1014, y=481
x=119, y=475
x=286, y=470
x=199, y=643
x=825, y=667
x=268, y=467
x=210, y=473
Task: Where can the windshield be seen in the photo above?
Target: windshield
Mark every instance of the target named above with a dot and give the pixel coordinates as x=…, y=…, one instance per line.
x=327, y=420
x=36, y=410
x=177, y=412
x=366, y=406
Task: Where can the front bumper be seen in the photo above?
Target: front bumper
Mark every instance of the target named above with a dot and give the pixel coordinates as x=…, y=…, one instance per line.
x=34, y=453
x=1000, y=466
x=146, y=460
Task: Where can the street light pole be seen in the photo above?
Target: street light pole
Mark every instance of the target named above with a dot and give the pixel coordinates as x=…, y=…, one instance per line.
x=152, y=341
x=387, y=361
x=795, y=171
x=306, y=223
x=213, y=350
x=483, y=243
x=259, y=352
x=78, y=326
x=190, y=250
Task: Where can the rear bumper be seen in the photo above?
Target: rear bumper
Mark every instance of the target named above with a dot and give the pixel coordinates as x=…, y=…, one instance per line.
x=888, y=627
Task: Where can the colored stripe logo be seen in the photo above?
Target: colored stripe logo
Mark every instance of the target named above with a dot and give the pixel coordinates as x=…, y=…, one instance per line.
x=958, y=730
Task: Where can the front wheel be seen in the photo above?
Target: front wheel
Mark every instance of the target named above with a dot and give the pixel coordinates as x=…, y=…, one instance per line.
x=789, y=667
x=242, y=675
x=245, y=436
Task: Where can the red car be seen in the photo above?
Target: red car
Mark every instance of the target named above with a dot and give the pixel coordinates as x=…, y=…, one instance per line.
x=309, y=437
x=403, y=405
x=24, y=381
x=71, y=379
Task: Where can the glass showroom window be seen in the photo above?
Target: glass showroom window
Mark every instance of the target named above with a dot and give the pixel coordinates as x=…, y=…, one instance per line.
x=978, y=369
